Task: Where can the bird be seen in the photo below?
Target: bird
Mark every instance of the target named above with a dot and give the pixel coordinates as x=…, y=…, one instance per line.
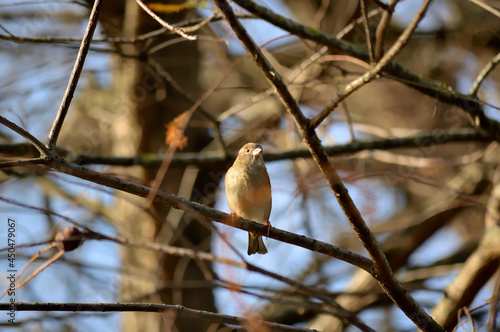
x=248, y=192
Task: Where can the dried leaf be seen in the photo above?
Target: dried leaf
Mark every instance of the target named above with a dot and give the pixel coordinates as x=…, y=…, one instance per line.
x=175, y=131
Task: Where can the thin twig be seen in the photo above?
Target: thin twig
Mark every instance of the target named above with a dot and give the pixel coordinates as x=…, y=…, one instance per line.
x=485, y=72
x=24, y=133
x=45, y=211
x=186, y=26
x=443, y=92
x=335, y=307
x=371, y=74
x=368, y=35
x=382, y=28
x=493, y=311
x=180, y=311
x=486, y=7
x=194, y=254
x=168, y=79
x=21, y=162
x=36, y=272
x=317, y=55
x=75, y=75
x=169, y=154
x=158, y=19
x=382, y=5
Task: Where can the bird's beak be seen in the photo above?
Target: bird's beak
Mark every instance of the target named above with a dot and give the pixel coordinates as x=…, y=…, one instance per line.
x=257, y=152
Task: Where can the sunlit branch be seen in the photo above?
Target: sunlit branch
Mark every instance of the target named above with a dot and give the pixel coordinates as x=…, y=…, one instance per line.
x=486, y=7
x=158, y=19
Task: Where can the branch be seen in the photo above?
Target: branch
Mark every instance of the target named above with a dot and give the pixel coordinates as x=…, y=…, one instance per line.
x=385, y=20
x=369, y=41
x=477, y=270
x=206, y=159
x=89, y=234
x=158, y=19
x=441, y=91
x=180, y=311
x=32, y=139
x=377, y=68
x=485, y=72
x=21, y=162
x=187, y=25
x=212, y=214
x=75, y=74
x=486, y=7
x=382, y=271
x=338, y=311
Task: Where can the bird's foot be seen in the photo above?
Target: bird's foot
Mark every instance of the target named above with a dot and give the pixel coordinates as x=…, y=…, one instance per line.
x=269, y=227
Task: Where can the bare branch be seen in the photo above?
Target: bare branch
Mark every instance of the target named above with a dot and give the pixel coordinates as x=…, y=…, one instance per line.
x=75, y=75
x=194, y=254
x=188, y=97
x=208, y=159
x=32, y=139
x=383, y=272
x=478, y=269
x=372, y=73
x=187, y=25
x=208, y=212
x=382, y=28
x=485, y=72
x=486, y=7
x=368, y=35
x=336, y=308
x=180, y=311
x=21, y=162
x=441, y=91
x=158, y=19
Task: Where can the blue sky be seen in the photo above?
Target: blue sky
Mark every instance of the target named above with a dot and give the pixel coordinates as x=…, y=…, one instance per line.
x=42, y=83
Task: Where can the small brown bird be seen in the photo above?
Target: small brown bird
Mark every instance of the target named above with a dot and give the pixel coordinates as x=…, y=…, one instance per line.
x=248, y=191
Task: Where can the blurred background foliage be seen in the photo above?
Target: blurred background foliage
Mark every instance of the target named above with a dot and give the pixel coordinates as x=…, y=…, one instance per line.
x=432, y=207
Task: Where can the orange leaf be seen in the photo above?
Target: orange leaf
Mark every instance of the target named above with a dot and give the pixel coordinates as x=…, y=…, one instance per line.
x=175, y=131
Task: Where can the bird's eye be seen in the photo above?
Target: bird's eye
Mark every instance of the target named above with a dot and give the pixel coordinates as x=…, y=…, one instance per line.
x=248, y=150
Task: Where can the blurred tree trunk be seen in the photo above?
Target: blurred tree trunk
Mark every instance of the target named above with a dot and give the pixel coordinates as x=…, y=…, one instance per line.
x=143, y=105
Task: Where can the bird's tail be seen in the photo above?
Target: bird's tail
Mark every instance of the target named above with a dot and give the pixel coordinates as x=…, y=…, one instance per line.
x=256, y=245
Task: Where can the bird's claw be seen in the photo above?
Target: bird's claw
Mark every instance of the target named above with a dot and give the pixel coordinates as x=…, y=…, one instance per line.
x=269, y=227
